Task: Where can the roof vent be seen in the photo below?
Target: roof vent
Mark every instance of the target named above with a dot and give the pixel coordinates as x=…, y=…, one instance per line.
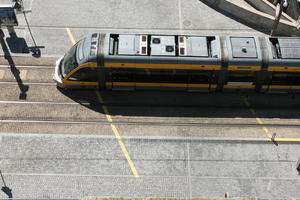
x=169, y=48
x=156, y=41
x=244, y=49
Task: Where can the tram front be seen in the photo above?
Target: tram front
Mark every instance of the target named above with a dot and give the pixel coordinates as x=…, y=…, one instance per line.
x=78, y=67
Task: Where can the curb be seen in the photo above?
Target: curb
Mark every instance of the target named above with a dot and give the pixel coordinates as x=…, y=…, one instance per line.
x=29, y=60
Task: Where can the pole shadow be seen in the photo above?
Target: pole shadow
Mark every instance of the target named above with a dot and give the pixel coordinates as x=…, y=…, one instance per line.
x=6, y=189
x=14, y=70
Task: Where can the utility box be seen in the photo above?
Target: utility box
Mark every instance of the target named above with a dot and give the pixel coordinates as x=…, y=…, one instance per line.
x=8, y=16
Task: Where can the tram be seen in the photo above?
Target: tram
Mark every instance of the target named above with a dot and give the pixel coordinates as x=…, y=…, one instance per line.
x=181, y=62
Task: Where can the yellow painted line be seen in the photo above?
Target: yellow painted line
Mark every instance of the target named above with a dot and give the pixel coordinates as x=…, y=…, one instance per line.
x=108, y=116
x=266, y=130
x=287, y=139
x=126, y=154
x=258, y=120
x=70, y=34
x=118, y=136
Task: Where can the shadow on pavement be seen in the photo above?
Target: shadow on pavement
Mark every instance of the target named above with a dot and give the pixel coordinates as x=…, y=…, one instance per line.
x=6, y=189
x=240, y=20
x=14, y=70
x=17, y=45
x=185, y=104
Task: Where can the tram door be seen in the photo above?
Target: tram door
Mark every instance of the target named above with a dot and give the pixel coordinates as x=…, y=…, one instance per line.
x=240, y=80
x=122, y=79
x=202, y=81
x=283, y=81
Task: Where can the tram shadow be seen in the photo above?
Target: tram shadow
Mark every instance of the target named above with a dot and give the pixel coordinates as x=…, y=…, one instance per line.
x=186, y=104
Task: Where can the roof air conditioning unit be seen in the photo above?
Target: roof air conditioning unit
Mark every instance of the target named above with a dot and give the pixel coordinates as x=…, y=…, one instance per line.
x=143, y=45
x=182, y=45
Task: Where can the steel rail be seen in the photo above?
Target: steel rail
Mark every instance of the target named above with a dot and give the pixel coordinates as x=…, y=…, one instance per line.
x=194, y=124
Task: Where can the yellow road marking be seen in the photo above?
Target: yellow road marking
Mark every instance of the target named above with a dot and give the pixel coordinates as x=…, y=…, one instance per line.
x=126, y=154
x=109, y=118
x=258, y=120
x=117, y=135
x=287, y=139
x=266, y=130
x=71, y=36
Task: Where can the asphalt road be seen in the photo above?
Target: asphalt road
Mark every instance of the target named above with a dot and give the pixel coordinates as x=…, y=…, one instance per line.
x=68, y=144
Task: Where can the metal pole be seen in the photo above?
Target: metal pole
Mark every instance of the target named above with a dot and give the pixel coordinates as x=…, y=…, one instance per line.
x=279, y=8
x=11, y=30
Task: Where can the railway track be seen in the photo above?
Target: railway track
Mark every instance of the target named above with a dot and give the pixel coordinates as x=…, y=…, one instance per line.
x=149, y=123
x=78, y=111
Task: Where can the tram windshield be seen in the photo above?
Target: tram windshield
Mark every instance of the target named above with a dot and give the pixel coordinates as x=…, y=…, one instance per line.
x=69, y=62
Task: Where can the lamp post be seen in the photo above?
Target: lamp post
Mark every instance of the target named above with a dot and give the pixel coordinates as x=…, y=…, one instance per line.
x=279, y=8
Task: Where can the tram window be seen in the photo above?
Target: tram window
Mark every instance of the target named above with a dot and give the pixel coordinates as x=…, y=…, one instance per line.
x=244, y=76
x=161, y=76
x=201, y=77
x=122, y=75
x=85, y=74
x=285, y=78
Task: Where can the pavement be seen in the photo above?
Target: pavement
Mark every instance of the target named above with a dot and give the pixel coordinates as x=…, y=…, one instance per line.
x=71, y=166
x=49, y=19
x=75, y=143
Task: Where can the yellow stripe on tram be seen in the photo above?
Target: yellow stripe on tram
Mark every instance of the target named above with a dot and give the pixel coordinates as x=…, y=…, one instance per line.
x=161, y=66
x=158, y=84
x=85, y=65
x=283, y=69
x=243, y=68
x=239, y=86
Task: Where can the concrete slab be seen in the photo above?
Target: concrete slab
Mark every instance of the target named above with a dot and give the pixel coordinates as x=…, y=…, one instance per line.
x=113, y=14
x=80, y=166
x=198, y=16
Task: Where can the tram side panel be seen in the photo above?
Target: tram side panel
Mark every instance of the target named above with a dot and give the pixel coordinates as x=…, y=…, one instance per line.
x=284, y=65
x=167, y=62
x=244, y=64
x=202, y=57
x=193, y=63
